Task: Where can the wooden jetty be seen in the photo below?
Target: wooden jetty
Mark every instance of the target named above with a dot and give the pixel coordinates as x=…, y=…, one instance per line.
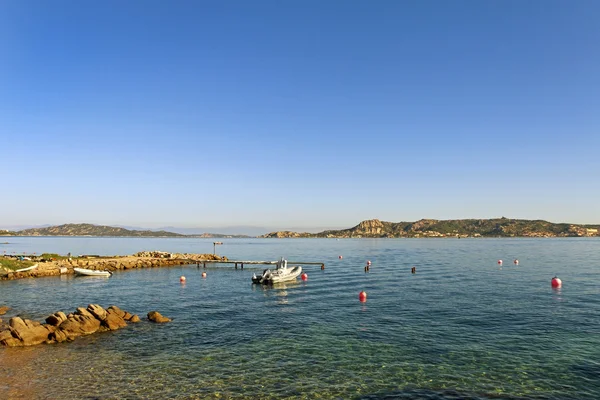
x=241, y=263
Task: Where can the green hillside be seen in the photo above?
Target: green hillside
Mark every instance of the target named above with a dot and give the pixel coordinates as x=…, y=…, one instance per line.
x=497, y=227
x=93, y=230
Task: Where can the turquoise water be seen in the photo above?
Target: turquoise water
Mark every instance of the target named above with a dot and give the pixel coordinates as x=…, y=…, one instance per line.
x=461, y=327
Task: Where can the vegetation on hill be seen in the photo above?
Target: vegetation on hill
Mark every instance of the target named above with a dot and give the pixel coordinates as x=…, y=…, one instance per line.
x=103, y=230
x=497, y=227
x=93, y=230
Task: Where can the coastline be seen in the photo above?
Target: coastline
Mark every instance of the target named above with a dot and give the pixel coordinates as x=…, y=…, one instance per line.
x=115, y=263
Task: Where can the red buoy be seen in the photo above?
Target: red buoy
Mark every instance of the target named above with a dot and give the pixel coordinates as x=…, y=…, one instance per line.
x=182, y=279
x=340, y=257
x=304, y=276
x=499, y=262
x=516, y=262
x=368, y=262
x=362, y=296
x=556, y=282
x=203, y=274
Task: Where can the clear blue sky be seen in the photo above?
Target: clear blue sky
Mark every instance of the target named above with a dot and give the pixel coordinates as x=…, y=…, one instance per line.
x=298, y=114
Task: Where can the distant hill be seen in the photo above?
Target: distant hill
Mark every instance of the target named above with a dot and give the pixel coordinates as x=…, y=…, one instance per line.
x=93, y=230
x=103, y=230
x=497, y=227
x=374, y=228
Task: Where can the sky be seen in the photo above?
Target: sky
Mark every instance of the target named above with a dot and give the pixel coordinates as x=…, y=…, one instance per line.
x=298, y=114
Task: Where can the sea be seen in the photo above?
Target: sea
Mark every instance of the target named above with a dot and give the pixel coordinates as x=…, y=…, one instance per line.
x=461, y=327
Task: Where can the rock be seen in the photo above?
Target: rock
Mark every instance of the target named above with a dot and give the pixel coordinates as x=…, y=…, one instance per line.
x=84, y=312
x=56, y=319
x=5, y=335
x=134, y=319
x=80, y=324
x=4, y=309
x=27, y=333
x=16, y=323
x=60, y=336
x=97, y=311
x=113, y=320
x=127, y=316
x=155, y=316
x=117, y=311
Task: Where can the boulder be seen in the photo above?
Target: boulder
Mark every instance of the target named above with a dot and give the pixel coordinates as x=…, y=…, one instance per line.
x=97, y=311
x=56, y=319
x=6, y=334
x=155, y=316
x=116, y=310
x=84, y=312
x=134, y=319
x=16, y=323
x=113, y=320
x=60, y=336
x=79, y=324
x=27, y=332
x=4, y=309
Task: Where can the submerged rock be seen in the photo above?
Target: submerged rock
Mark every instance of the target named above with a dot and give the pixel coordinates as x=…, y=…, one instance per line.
x=155, y=316
x=4, y=309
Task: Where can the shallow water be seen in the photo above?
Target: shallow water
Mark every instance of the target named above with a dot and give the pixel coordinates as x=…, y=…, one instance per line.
x=461, y=327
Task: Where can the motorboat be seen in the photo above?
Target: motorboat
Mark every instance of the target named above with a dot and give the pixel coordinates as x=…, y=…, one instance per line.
x=282, y=273
x=91, y=272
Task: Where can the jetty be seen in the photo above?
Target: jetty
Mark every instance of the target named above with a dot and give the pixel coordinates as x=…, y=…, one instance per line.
x=241, y=263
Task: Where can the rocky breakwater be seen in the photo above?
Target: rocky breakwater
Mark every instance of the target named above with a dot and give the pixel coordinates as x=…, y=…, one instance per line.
x=60, y=327
x=144, y=259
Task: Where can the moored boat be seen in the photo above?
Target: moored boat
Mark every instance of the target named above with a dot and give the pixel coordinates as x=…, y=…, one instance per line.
x=34, y=266
x=282, y=273
x=91, y=272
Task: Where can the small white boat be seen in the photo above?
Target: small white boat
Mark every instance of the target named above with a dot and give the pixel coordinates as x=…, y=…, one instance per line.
x=280, y=274
x=34, y=266
x=91, y=272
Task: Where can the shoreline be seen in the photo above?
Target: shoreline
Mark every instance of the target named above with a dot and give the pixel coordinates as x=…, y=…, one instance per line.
x=139, y=260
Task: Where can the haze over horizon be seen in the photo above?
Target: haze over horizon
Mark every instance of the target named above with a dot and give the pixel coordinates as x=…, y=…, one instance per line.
x=298, y=114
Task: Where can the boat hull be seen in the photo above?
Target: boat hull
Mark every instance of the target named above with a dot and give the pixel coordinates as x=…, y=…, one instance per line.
x=91, y=272
x=27, y=269
x=278, y=276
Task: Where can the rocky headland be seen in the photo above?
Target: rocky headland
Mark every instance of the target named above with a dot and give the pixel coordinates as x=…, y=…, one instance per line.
x=144, y=259
x=60, y=327
x=457, y=228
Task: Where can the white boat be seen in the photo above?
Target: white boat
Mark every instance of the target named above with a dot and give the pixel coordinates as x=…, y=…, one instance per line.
x=34, y=266
x=91, y=272
x=280, y=274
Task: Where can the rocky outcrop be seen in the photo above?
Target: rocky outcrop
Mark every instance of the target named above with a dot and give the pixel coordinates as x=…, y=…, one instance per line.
x=369, y=227
x=155, y=316
x=60, y=327
x=4, y=309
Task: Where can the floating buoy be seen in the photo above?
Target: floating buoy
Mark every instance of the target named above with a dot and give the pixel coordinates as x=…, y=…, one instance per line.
x=516, y=262
x=304, y=276
x=368, y=262
x=499, y=262
x=340, y=257
x=204, y=274
x=182, y=279
x=362, y=296
x=556, y=282
x=413, y=270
